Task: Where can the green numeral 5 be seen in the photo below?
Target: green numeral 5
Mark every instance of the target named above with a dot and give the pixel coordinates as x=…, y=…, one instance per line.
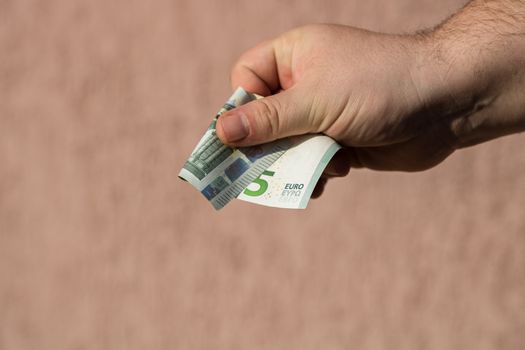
x=263, y=185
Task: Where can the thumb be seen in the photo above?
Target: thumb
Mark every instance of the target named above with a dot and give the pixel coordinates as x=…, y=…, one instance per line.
x=273, y=117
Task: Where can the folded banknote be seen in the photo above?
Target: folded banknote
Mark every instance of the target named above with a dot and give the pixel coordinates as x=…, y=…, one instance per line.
x=280, y=174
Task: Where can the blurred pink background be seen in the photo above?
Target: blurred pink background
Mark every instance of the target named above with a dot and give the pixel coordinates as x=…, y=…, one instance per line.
x=103, y=247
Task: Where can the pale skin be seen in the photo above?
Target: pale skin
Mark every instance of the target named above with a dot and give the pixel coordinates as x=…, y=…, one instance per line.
x=396, y=102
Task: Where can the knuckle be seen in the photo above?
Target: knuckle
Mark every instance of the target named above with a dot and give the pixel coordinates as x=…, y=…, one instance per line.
x=268, y=115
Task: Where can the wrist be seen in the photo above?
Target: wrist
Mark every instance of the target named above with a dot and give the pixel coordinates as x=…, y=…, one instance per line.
x=477, y=63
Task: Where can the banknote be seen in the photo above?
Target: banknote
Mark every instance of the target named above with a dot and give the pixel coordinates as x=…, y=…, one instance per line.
x=291, y=179
x=280, y=174
x=220, y=172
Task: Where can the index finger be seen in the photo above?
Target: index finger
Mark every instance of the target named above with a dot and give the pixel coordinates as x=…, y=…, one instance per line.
x=257, y=70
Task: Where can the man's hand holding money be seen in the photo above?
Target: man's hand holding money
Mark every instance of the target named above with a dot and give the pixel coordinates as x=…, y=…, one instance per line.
x=397, y=102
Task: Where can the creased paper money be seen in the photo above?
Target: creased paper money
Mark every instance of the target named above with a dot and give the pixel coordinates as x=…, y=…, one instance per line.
x=220, y=172
x=281, y=174
x=290, y=181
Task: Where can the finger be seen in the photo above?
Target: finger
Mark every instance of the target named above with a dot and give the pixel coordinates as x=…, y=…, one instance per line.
x=420, y=153
x=319, y=188
x=273, y=117
x=339, y=165
x=257, y=70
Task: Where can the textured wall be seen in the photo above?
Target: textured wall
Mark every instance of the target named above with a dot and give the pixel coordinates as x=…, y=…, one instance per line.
x=102, y=247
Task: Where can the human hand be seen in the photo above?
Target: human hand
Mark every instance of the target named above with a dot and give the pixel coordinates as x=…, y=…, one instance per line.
x=396, y=102
x=355, y=86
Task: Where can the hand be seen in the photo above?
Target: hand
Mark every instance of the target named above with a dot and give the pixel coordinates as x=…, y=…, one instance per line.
x=396, y=102
x=355, y=86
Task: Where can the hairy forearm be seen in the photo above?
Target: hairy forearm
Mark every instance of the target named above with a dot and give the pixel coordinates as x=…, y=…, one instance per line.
x=499, y=17
x=480, y=56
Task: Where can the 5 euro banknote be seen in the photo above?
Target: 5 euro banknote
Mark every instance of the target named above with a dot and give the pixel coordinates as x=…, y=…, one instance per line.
x=282, y=173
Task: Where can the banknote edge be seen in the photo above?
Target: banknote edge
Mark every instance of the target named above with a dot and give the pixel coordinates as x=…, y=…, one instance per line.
x=329, y=154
